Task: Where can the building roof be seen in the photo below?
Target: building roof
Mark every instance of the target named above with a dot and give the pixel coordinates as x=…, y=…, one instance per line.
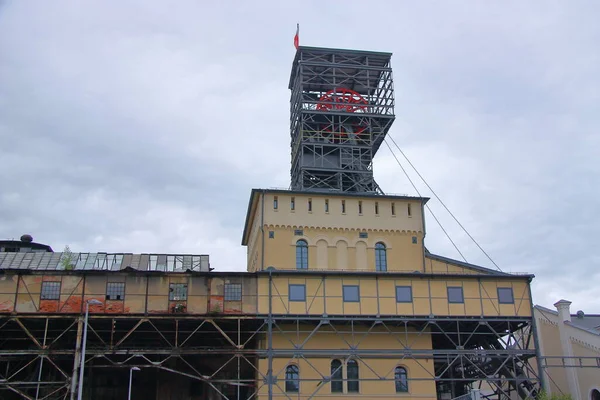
x=586, y=322
x=23, y=245
x=487, y=271
x=377, y=60
x=252, y=203
x=104, y=261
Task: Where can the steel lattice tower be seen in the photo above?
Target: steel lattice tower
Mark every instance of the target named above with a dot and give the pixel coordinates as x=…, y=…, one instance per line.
x=342, y=106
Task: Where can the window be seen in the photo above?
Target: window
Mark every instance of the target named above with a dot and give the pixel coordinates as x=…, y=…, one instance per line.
x=505, y=295
x=360, y=207
x=343, y=206
x=178, y=291
x=363, y=235
x=301, y=254
x=298, y=232
x=393, y=209
x=326, y=205
x=50, y=291
x=115, y=291
x=403, y=294
x=414, y=240
x=275, y=203
x=352, y=371
x=409, y=210
x=293, y=204
x=337, y=384
x=292, y=379
x=297, y=293
x=401, y=378
x=376, y=208
x=595, y=395
x=380, y=257
x=309, y=205
x=351, y=293
x=232, y=292
x=271, y=234
x=455, y=295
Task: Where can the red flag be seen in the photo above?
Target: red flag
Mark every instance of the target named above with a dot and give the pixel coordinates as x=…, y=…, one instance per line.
x=297, y=37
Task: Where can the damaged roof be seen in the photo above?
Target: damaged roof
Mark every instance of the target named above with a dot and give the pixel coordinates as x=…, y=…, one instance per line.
x=104, y=261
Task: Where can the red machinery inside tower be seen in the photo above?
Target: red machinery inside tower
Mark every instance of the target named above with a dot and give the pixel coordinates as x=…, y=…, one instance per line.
x=342, y=99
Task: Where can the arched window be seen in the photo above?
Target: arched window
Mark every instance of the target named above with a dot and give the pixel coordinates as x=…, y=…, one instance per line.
x=352, y=371
x=337, y=383
x=380, y=257
x=595, y=395
x=301, y=254
x=401, y=378
x=292, y=379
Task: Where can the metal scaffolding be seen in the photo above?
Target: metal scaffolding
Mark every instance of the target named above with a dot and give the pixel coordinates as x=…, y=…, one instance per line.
x=342, y=106
x=39, y=353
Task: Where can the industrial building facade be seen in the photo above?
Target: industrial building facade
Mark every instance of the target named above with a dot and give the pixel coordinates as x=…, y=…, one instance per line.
x=341, y=297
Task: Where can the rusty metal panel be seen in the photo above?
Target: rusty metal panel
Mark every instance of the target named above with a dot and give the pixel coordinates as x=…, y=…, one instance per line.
x=49, y=306
x=95, y=287
x=249, y=295
x=158, y=285
x=216, y=295
x=158, y=304
x=135, y=294
x=158, y=294
x=71, y=291
x=8, y=288
x=29, y=289
x=178, y=278
x=197, y=295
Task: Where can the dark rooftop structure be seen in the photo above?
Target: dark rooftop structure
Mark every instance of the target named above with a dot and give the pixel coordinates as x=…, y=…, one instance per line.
x=24, y=245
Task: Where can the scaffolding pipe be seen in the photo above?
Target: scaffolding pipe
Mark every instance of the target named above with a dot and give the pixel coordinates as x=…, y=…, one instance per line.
x=76, y=359
x=270, y=340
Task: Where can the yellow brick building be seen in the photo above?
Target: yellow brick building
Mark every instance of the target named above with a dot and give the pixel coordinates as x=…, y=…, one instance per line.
x=358, y=290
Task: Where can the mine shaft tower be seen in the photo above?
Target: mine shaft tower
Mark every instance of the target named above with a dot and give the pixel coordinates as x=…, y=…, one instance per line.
x=342, y=106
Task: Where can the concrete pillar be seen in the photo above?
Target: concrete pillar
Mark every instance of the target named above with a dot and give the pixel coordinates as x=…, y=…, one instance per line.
x=564, y=315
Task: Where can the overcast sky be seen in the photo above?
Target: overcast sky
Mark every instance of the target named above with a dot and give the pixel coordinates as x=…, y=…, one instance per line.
x=142, y=126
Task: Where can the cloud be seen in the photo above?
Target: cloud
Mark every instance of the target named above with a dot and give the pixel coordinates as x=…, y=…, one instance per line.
x=143, y=127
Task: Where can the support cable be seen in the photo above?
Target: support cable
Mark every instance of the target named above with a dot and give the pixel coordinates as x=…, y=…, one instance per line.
x=442, y=203
x=426, y=205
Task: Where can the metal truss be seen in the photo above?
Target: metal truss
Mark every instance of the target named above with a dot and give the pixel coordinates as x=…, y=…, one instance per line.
x=341, y=108
x=465, y=352
x=39, y=353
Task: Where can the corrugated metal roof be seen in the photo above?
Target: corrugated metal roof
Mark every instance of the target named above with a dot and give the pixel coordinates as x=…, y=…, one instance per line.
x=104, y=261
x=591, y=321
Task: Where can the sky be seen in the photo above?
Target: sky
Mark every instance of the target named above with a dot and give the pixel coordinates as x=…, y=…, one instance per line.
x=142, y=126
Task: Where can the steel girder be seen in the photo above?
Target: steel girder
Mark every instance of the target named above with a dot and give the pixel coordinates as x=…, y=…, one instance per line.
x=344, y=138
x=465, y=351
x=38, y=352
